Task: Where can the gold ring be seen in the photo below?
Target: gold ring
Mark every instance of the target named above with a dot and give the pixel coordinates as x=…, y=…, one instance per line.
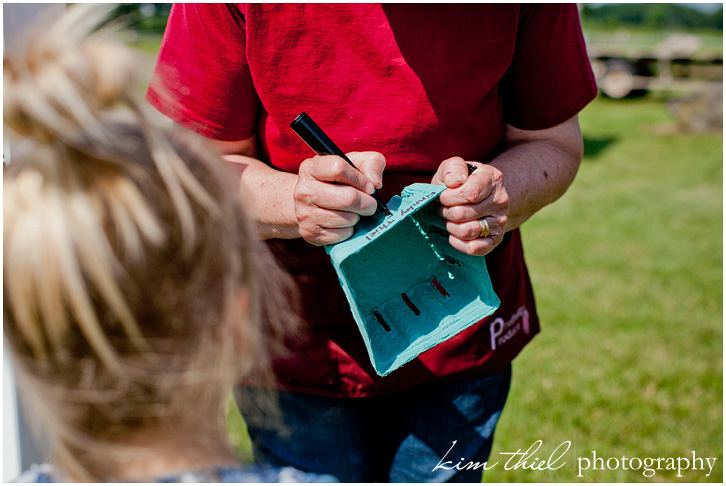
x=484, y=232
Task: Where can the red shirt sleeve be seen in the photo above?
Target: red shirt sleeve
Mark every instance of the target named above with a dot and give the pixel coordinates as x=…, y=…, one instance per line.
x=201, y=79
x=550, y=79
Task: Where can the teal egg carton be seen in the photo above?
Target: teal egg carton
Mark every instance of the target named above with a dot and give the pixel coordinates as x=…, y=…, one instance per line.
x=407, y=287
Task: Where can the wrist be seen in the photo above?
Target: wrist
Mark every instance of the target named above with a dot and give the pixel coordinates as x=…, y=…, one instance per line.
x=267, y=196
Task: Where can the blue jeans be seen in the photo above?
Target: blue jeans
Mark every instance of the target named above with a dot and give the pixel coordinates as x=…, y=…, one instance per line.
x=399, y=437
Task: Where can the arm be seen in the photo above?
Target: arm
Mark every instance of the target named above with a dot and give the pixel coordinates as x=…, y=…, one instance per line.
x=538, y=167
x=321, y=203
x=275, y=215
x=535, y=169
x=222, y=92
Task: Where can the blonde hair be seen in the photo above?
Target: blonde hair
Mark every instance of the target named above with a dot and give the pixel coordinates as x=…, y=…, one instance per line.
x=126, y=252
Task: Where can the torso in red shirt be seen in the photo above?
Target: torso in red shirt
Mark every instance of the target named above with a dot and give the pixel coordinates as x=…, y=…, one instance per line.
x=418, y=83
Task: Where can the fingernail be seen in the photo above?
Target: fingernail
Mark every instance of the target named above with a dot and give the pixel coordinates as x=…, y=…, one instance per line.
x=370, y=188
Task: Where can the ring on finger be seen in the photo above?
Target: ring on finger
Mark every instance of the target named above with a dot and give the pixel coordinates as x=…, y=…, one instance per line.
x=484, y=228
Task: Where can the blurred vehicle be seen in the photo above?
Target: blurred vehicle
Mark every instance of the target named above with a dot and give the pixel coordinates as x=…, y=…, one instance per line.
x=623, y=68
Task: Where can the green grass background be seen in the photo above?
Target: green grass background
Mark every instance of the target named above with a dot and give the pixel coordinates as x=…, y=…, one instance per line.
x=627, y=270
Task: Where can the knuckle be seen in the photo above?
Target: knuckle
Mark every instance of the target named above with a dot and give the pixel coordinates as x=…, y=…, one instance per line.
x=456, y=230
x=368, y=207
x=302, y=210
x=503, y=199
x=463, y=231
x=445, y=213
x=306, y=168
x=496, y=175
x=308, y=233
x=338, y=167
x=502, y=220
x=350, y=199
x=376, y=159
x=470, y=194
x=457, y=213
x=302, y=192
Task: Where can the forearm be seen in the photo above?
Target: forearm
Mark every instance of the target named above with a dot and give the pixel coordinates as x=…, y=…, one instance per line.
x=269, y=195
x=535, y=175
x=537, y=171
x=321, y=203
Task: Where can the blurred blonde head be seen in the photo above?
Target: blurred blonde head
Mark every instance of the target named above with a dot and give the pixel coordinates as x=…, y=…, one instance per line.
x=135, y=290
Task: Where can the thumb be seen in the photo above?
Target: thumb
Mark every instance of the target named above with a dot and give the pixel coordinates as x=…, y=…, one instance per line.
x=453, y=172
x=371, y=164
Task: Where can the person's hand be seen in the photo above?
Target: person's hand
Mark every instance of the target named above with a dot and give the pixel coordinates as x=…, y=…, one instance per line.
x=475, y=206
x=330, y=196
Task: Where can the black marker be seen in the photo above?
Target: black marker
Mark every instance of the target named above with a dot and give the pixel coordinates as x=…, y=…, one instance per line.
x=321, y=144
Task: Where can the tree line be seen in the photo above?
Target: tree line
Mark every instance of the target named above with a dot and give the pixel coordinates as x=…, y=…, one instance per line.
x=652, y=15
x=152, y=16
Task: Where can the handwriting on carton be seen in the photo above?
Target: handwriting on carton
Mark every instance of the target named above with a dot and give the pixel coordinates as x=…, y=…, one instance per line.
x=390, y=221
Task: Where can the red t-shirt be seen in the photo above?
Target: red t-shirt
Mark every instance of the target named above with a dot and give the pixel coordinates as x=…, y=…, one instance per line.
x=418, y=83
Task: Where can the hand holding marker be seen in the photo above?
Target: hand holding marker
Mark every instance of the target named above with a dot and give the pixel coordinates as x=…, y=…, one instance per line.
x=321, y=144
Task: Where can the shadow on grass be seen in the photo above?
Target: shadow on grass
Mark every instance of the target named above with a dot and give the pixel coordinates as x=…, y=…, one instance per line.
x=595, y=146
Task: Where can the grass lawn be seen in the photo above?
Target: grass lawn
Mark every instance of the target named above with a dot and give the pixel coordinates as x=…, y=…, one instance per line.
x=627, y=270
x=645, y=37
